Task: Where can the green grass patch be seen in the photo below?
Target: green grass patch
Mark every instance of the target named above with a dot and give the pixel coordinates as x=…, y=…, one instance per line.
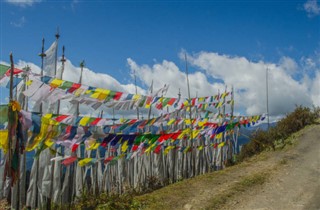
x=245, y=184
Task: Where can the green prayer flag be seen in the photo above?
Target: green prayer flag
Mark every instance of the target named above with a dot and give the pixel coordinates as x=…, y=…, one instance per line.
x=3, y=69
x=3, y=113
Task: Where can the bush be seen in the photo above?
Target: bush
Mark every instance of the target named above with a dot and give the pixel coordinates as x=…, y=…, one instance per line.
x=111, y=201
x=295, y=121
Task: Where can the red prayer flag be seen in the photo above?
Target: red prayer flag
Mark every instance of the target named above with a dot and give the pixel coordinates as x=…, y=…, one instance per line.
x=74, y=147
x=74, y=87
x=61, y=117
x=171, y=101
x=157, y=149
x=95, y=122
x=15, y=71
x=117, y=96
x=108, y=159
x=69, y=160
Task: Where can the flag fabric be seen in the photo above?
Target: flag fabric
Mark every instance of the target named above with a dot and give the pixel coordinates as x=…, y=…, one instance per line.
x=3, y=69
x=49, y=61
x=16, y=81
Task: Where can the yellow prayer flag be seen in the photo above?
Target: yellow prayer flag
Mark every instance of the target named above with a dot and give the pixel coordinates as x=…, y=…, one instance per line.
x=47, y=116
x=187, y=121
x=195, y=133
x=95, y=95
x=219, y=136
x=48, y=142
x=219, y=104
x=4, y=140
x=221, y=144
x=29, y=82
x=124, y=146
x=84, y=161
x=201, y=123
x=56, y=82
x=171, y=121
x=136, y=97
x=44, y=129
x=84, y=121
x=166, y=151
x=148, y=150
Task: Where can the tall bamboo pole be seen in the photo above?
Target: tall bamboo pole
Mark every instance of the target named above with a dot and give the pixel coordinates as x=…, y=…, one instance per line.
x=24, y=105
x=190, y=116
x=135, y=84
x=267, y=96
x=9, y=158
x=42, y=55
x=57, y=35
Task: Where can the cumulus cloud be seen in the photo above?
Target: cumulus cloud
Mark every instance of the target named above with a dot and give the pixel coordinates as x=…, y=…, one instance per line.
x=312, y=8
x=90, y=78
x=248, y=79
x=215, y=71
x=22, y=3
x=168, y=73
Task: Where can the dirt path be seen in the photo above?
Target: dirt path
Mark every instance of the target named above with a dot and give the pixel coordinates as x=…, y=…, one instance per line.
x=287, y=179
x=296, y=185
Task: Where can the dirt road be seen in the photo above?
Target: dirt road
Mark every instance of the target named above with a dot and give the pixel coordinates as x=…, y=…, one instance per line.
x=283, y=180
x=296, y=185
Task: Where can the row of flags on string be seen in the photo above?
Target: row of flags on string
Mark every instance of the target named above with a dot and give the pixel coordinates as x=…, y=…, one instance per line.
x=46, y=131
x=51, y=89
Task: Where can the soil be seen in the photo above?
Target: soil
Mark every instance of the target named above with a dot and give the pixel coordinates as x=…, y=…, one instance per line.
x=296, y=185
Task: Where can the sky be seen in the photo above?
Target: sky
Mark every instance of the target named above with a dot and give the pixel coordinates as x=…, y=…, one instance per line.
x=229, y=43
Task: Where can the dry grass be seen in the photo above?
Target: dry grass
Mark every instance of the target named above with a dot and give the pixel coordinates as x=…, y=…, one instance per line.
x=242, y=186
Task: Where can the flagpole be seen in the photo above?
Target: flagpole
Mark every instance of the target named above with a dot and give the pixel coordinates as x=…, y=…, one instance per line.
x=151, y=91
x=24, y=105
x=135, y=84
x=82, y=64
x=57, y=35
x=267, y=96
x=190, y=116
x=42, y=55
x=9, y=159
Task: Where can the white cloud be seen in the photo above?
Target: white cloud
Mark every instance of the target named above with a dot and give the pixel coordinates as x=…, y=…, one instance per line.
x=289, y=65
x=168, y=73
x=19, y=23
x=22, y=3
x=315, y=89
x=248, y=78
x=312, y=8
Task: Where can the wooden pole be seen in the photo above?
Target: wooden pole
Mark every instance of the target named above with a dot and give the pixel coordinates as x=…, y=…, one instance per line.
x=151, y=91
x=135, y=84
x=190, y=116
x=9, y=159
x=82, y=64
x=42, y=55
x=267, y=95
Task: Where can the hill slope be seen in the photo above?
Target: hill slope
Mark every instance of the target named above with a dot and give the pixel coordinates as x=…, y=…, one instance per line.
x=286, y=179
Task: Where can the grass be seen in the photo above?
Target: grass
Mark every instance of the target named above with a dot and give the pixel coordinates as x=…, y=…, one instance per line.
x=242, y=186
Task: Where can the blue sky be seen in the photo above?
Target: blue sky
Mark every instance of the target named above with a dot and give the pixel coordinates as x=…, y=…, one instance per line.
x=281, y=34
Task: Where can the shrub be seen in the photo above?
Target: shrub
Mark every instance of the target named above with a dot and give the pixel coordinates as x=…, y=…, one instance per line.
x=260, y=140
